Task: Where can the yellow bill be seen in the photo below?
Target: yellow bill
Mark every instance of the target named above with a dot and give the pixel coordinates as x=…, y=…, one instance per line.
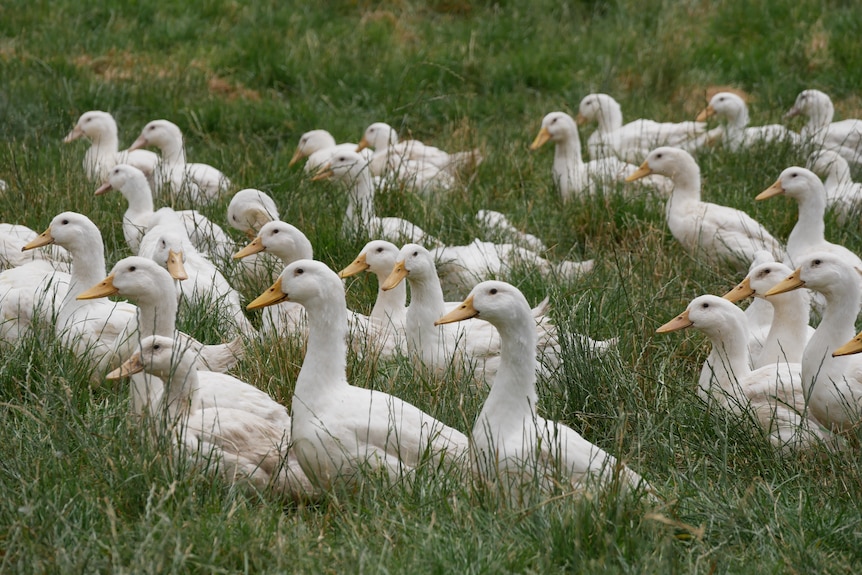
x=131, y=366
x=399, y=272
x=740, y=292
x=772, y=191
x=791, y=282
x=849, y=348
x=270, y=297
x=254, y=247
x=460, y=313
x=679, y=322
x=541, y=139
x=359, y=265
x=642, y=172
x=102, y=289
x=42, y=239
x=175, y=265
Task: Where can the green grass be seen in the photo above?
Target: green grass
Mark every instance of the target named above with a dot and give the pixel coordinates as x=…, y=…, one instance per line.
x=82, y=489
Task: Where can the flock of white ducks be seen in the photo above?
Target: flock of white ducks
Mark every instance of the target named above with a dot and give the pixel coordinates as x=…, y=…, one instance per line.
x=764, y=362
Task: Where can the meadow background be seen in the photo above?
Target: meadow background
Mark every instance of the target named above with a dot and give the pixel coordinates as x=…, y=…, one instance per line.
x=82, y=490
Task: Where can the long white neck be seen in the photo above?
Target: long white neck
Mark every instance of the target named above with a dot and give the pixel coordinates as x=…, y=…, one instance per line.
x=360, y=203
x=137, y=192
x=810, y=229
x=514, y=390
x=157, y=313
x=731, y=357
x=819, y=118
x=180, y=386
x=324, y=369
x=389, y=305
x=173, y=152
x=835, y=329
x=786, y=340
x=610, y=116
x=568, y=166
x=426, y=307
x=686, y=187
x=88, y=264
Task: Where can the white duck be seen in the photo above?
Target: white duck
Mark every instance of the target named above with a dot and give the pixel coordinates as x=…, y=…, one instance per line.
x=443, y=347
x=843, y=195
x=220, y=419
x=140, y=216
x=736, y=134
x=151, y=287
x=390, y=153
x=289, y=244
x=349, y=169
x=833, y=385
x=497, y=224
x=717, y=233
x=809, y=233
x=789, y=331
x=510, y=440
x=844, y=137
x=101, y=129
x=30, y=296
x=461, y=267
x=99, y=330
x=319, y=146
x=388, y=317
x=774, y=394
x=250, y=209
x=572, y=176
x=13, y=237
x=338, y=429
x=200, y=282
x=201, y=182
x=633, y=141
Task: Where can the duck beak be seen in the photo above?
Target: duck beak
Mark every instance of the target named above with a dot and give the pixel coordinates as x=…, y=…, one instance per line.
x=642, y=172
x=42, y=239
x=175, y=265
x=541, y=139
x=399, y=272
x=580, y=119
x=297, y=155
x=774, y=190
x=102, y=289
x=324, y=173
x=460, y=313
x=679, y=322
x=76, y=133
x=131, y=366
x=363, y=143
x=139, y=143
x=103, y=189
x=740, y=292
x=707, y=112
x=849, y=348
x=790, y=283
x=270, y=297
x=254, y=247
x=359, y=265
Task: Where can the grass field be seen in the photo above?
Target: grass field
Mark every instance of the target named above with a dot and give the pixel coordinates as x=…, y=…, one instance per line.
x=83, y=490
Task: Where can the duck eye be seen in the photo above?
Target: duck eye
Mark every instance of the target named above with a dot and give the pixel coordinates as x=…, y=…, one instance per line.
x=416, y=253
x=275, y=231
x=133, y=268
x=704, y=306
x=379, y=250
x=493, y=291
x=65, y=222
x=156, y=347
x=816, y=262
x=299, y=271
